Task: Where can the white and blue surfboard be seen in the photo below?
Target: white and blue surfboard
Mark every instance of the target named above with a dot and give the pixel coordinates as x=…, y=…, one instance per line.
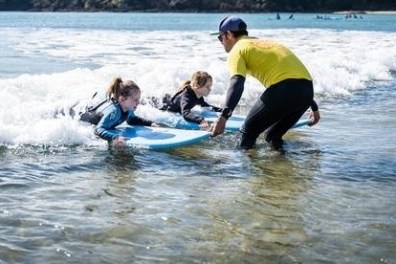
x=159, y=138
x=234, y=123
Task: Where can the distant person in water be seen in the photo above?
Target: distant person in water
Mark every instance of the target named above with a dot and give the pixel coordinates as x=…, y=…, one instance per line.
x=190, y=94
x=122, y=99
x=289, y=89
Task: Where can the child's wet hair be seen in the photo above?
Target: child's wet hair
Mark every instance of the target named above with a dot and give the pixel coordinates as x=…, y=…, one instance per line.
x=119, y=88
x=198, y=79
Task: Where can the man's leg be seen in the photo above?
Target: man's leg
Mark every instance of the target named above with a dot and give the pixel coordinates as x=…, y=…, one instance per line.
x=275, y=133
x=297, y=98
x=277, y=110
x=262, y=115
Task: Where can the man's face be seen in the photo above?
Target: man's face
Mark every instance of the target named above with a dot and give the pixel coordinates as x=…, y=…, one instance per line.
x=226, y=39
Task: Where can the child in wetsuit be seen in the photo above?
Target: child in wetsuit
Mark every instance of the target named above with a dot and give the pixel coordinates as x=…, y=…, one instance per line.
x=123, y=98
x=190, y=94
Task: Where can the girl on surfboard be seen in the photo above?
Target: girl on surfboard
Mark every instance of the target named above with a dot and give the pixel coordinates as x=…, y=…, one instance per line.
x=122, y=100
x=190, y=94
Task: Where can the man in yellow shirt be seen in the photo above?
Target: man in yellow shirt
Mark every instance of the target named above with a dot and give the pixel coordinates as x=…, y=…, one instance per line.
x=289, y=89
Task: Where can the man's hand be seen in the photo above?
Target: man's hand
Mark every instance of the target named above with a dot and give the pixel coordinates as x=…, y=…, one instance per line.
x=219, y=126
x=314, y=117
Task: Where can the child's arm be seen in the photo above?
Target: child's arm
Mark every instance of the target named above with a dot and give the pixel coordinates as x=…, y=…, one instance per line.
x=134, y=120
x=109, y=121
x=186, y=104
x=203, y=103
x=138, y=121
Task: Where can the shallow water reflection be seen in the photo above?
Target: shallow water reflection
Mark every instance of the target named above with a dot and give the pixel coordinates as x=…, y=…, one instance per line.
x=189, y=205
x=331, y=193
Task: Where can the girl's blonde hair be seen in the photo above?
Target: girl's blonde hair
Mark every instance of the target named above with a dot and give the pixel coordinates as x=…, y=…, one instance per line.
x=198, y=79
x=119, y=88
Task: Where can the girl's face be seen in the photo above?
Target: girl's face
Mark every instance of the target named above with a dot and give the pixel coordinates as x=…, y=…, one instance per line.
x=205, y=90
x=130, y=102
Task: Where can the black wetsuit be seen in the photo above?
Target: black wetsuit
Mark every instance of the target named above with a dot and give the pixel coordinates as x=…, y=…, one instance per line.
x=276, y=111
x=183, y=101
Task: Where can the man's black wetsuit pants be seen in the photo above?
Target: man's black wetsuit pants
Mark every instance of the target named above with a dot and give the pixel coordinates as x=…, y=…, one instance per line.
x=276, y=111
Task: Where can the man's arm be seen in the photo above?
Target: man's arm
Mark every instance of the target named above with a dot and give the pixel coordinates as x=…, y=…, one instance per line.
x=234, y=94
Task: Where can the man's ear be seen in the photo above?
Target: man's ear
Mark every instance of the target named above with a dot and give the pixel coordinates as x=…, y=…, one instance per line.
x=229, y=35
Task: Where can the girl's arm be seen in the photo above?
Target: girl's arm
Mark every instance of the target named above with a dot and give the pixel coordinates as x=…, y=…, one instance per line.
x=203, y=103
x=186, y=104
x=110, y=120
x=134, y=120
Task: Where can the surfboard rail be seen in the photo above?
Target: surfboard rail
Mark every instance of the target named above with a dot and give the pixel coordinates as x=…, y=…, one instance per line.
x=159, y=138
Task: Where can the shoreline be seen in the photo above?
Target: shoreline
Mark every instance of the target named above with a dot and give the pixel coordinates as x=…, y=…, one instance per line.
x=66, y=10
x=365, y=12
x=381, y=12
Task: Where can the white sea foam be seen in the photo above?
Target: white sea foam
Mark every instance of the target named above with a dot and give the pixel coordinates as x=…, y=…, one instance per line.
x=339, y=61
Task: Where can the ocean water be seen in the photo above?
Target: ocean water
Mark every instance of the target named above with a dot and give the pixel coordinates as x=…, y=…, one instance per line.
x=66, y=198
